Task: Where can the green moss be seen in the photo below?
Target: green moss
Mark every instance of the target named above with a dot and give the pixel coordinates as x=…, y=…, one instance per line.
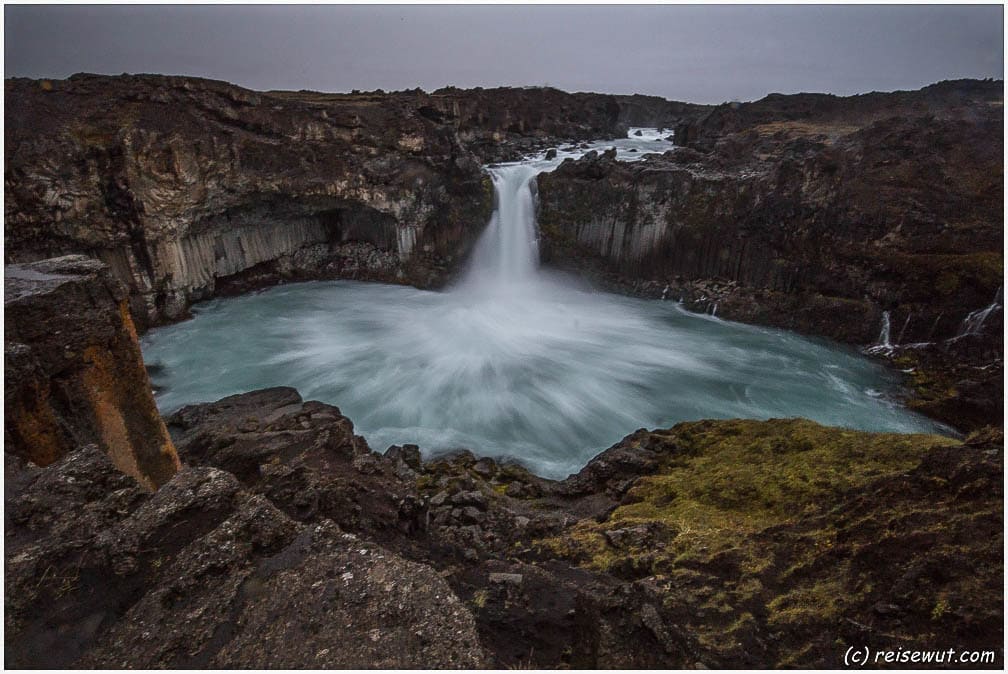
x=804, y=604
x=773, y=533
x=941, y=607
x=729, y=479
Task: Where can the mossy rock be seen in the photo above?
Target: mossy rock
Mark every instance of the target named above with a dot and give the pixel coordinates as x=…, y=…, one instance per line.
x=729, y=479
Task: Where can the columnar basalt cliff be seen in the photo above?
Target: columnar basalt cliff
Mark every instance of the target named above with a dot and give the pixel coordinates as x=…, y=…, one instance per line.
x=189, y=187
x=820, y=214
x=73, y=373
x=183, y=184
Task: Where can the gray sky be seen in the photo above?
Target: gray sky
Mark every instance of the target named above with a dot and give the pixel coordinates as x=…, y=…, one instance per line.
x=703, y=54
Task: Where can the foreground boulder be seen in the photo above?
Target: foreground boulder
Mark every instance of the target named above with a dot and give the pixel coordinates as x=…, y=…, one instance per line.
x=73, y=372
x=205, y=574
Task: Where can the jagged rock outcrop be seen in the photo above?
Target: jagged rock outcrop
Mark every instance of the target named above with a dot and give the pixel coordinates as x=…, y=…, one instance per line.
x=189, y=188
x=811, y=213
x=717, y=543
x=73, y=372
x=205, y=574
x=500, y=124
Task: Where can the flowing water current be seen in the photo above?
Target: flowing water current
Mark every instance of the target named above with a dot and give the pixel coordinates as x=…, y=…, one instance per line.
x=514, y=361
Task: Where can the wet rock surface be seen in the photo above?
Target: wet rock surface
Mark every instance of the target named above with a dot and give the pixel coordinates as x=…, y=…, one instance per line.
x=285, y=541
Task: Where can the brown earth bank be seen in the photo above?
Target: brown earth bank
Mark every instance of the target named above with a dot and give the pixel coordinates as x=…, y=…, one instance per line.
x=825, y=215
x=189, y=188
x=285, y=541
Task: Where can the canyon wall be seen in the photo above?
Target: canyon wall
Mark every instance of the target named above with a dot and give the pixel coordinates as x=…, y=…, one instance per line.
x=73, y=373
x=830, y=216
x=188, y=188
x=180, y=184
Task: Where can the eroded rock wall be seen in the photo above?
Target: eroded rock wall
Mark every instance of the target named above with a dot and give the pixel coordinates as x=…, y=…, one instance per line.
x=73, y=373
x=181, y=183
x=900, y=213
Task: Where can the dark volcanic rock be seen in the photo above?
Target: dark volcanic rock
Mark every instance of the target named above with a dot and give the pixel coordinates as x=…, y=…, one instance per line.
x=190, y=188
x=782, y=543
x=73, y=372
x=303, y=456
x=181, y=184
x=725, y=543
x=205, y=574
x=814, y=214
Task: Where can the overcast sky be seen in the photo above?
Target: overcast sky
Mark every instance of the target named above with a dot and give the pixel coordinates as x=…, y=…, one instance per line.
x=703, y=54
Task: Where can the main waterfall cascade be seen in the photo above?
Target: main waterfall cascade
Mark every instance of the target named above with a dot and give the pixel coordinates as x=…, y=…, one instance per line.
x=514, y=361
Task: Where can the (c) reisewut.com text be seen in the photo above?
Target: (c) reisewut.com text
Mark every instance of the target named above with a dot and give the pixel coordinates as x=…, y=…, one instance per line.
x=869, y=657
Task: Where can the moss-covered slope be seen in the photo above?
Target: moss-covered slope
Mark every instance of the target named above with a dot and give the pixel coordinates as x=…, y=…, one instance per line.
x=784, y=542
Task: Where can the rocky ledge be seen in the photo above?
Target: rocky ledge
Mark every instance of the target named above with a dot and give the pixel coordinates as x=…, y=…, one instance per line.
x=285, y=541
x=869, y=219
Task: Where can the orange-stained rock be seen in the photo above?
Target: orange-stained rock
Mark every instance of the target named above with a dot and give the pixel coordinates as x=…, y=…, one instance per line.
x=73, y=371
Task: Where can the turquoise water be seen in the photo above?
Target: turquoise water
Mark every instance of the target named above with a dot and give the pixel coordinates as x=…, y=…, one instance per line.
x=514, y=362
x=549, y=374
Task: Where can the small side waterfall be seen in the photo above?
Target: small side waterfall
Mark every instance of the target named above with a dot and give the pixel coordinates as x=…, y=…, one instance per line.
x=974, y=322
x=884, y=344
x=883, y=339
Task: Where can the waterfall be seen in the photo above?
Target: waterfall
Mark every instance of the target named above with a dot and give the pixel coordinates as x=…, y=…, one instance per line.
x=506, y=257
x=973, y=323
x=505, y=260
x=514, y=361
x=883, y=339
x=884, y=345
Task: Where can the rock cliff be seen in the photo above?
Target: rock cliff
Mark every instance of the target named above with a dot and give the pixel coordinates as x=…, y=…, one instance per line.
x=182, y=184
x=73, y=373
x=829, y=216
x=189, y=188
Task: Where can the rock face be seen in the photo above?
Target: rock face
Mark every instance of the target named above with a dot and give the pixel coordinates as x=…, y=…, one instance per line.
x=178, y=183
x=286, y=542
x=189, y=187
x=811, y=213
x=73, y=373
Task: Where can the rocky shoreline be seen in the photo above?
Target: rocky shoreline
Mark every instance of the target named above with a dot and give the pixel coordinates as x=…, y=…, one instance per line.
x=285, y=541
x=261, y=531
